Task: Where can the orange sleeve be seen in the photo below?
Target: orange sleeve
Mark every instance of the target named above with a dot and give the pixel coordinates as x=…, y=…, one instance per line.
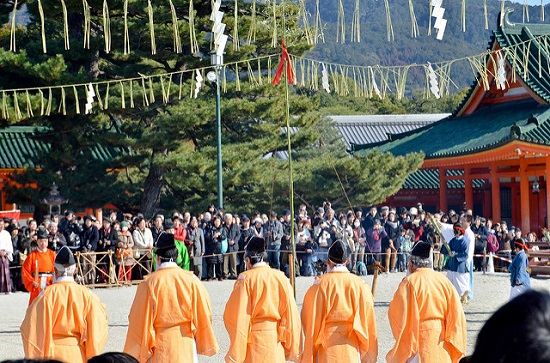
x=36, y=330
x=140, y=340
x=404, y=320
x=364, y=325
x=289, y=330
x=28, y=270
x=455, y=326
x=97, y=327
x=236, y=318
x=312, y=320
x=202, y=321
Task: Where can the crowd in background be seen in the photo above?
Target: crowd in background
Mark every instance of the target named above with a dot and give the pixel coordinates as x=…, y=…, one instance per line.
x=215, y=239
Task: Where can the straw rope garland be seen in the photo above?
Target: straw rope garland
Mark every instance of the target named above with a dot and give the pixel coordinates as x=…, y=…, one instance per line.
x=356, y=24
x=341, y=24
x=311, y=24
x=414, y=24
x=87, y=24
x=42, y=28
x=343, y=80
x=106, y=27
x=192, y=33
x=12, y=30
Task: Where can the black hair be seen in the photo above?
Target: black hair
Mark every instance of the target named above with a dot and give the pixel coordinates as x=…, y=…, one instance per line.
x=524, y=324
x=113, y=357
x=168, y=254
x=258, y=257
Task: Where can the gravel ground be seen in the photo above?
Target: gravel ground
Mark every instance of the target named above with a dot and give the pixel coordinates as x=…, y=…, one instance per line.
x=491, y=291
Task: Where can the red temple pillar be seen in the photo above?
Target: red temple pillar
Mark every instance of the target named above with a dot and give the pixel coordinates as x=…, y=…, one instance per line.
x=524, y=196
x=468, y=189
x=443, y=190
x=547, y=177
x=495, y=193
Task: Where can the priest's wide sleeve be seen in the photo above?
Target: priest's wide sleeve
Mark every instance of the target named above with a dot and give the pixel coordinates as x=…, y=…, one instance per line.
x=202, y=322
x=140, y=340
x=97, y=327
x=404, y=318
x=455, y=327
x=27, y=272
x=289, y=330
x=364, y=326
x=237, y=322
x=313, y=319
x=36, y=330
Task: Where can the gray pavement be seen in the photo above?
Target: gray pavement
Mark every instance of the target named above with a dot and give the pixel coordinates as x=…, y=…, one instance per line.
x=491, y=291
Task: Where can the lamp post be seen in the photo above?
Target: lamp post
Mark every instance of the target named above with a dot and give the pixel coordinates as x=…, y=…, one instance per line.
x=217, y=61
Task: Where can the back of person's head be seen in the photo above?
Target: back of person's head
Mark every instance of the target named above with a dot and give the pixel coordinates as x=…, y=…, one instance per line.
x=517, y=332
x=113, y=357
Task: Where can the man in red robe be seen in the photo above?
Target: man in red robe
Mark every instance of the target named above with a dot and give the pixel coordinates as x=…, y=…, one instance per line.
x=37, y=270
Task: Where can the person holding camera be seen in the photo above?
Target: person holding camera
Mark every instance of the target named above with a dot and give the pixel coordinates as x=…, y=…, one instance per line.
x=273, y=238
x=88, y=245
x=108, y=240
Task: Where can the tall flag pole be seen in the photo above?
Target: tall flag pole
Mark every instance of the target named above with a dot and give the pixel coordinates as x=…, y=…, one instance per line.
x=285, y=66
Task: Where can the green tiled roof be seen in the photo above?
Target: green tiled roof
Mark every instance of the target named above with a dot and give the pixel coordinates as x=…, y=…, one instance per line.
x=536, y=38
x=429, y=179
x=18, y=148
x=485, y=129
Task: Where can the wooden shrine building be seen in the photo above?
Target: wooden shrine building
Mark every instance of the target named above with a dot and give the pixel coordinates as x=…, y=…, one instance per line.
x=493, y=153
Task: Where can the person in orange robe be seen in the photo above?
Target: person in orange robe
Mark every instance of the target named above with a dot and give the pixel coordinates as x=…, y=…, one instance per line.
x=37, y=270
x=338, y=315
x=261, y=315
x=426, y=315
x=170, y=318
x=67, y=322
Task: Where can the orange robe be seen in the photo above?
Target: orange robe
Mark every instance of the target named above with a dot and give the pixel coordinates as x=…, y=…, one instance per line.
x=426, y=318
x=262, y=318
x=28, y=270
x=338, y=320
x=68, y=323
x=170, y=315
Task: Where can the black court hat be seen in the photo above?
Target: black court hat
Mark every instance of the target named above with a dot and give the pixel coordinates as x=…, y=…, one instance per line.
x=65, y=257
x=421, y=249
x=338, y=252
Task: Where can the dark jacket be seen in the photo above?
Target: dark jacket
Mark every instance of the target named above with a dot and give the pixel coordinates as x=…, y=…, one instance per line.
x=214, y=245
x=233, y=233
x=110, y=236
x=89, y=238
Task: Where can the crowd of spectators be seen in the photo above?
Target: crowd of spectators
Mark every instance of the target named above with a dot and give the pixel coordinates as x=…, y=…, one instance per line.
x=215, y=240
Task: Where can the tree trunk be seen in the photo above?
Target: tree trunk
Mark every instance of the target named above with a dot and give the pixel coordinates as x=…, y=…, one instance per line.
x=151, y=190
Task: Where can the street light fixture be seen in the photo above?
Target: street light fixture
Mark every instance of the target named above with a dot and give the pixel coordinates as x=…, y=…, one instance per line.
x=216, y=60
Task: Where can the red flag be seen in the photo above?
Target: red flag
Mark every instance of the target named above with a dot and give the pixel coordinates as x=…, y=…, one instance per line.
x=289, y=71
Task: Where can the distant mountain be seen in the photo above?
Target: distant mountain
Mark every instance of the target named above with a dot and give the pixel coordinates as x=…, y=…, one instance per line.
x=375, y=49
